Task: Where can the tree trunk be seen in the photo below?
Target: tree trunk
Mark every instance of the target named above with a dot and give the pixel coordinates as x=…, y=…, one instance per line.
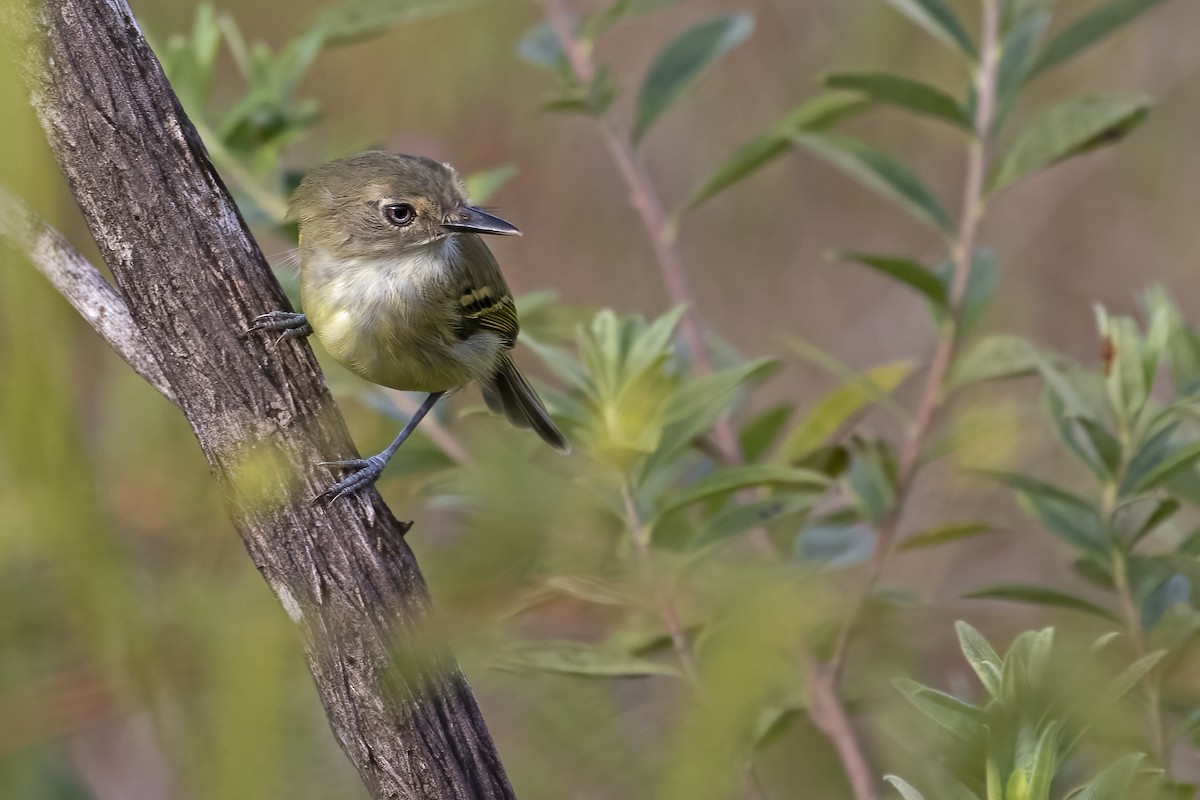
x=193, y=278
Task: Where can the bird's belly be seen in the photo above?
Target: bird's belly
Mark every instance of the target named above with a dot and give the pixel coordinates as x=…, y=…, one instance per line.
x=405, y=351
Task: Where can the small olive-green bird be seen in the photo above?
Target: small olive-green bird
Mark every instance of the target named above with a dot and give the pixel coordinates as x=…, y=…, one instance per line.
x=399, y=287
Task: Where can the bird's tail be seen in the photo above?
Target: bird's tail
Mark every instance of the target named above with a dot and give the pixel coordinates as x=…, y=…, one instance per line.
x=508, y=393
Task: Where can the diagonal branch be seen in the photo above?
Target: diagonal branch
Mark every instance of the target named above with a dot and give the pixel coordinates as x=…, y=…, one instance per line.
x=82, y=285
x=192, y=279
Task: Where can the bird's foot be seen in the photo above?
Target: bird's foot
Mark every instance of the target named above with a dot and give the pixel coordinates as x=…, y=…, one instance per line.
x=290, y=324
x=366, y=472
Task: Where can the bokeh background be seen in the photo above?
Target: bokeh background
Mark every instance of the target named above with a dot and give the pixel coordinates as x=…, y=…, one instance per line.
x=141, y=656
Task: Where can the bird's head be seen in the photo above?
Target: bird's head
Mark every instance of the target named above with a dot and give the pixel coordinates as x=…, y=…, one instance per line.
x=377, y=204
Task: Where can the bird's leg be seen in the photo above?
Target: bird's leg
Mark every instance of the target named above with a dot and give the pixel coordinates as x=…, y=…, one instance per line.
x=291, y=324
x=368, y=470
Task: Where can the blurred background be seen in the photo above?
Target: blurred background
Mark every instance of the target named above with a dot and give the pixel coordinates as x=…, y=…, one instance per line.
x=141, y=655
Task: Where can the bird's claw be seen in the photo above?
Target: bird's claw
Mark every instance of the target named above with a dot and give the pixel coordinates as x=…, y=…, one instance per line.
x=291, y=324
x=366, y=472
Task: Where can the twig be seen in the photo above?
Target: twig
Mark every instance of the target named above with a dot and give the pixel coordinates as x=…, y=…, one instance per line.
x=82, y=285
x=931, y=395
x=826, y=695
x=1134, y=625
x=640, y=533
x=645, y=200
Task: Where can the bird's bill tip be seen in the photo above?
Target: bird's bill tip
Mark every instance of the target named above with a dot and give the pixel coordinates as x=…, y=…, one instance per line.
x=470, y=219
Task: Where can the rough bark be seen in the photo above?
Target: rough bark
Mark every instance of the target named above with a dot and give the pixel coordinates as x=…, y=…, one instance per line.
x=192, y=278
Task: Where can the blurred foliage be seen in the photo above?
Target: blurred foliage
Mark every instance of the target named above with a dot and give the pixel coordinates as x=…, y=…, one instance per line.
x=640, y=616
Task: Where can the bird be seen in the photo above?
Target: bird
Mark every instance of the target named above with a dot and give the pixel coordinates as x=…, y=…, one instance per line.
x=399, y=287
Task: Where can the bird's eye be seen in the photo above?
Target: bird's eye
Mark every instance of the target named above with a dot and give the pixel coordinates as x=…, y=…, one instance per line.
x=400, y=214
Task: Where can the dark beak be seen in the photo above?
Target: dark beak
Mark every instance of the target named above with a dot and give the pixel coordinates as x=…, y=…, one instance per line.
x=470, y=219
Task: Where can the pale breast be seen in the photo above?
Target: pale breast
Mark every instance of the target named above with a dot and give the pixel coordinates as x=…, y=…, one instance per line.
x=392, y=322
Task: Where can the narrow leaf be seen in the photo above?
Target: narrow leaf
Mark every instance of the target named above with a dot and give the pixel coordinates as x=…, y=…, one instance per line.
x=895, y=90
x=937, y=18
x=1089, y=29
x=879, y=172
x=1063, y=513
x=682, y=62
x=756, y=436
x=1072, y=127
x=361, y=19
x=836, y=546
x=904, y=788
x=993, y=358
x=980, y=655
x=962, y=719
x=1020, y=48
x=482, y=185
x=944, y=534
x=1178, y=459
x=815, y=115
x=584, y=660
x=1113, y=783
x=728, y=479
x=1121, y=685
x=832, y=411
x=1040, y=596
x=736, y=519
x=910, y=273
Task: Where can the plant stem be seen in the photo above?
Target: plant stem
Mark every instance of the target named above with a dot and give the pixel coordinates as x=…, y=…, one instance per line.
x=640, y=532
x=1137, y=636
x=825, y=678
x=931, y=398
x=643, y=196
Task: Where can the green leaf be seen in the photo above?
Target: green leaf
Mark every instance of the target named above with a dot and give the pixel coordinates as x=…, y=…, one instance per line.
x=839, y=405
x=1128, y=381
x=482, y=185
x=1098, y=448
x=815, y=115
x=913, y=95
x=1135, y=518
x=981, y=285
x=601, y=21
x=728, y=479
x=879, y=172
x=756, y=436
x=592, y=98
x=1182, y=347
x=1175, y=460
x=904, y=788
x=962, y=719
x=540, y=46
x=993, y=358
x=682, y=62
x=1040, y=596
x=945, y=533
x=362, y=19
x=1089, y=29
x=1074, y=126
x=871, y=482
x=729, y=522
x=1045, y=762
x=583, y=660
x=1113, y=783
x=980, y=655
x=1017, y=55
x=1122, y=684
x=1068, y=515
x=835, y=545
x=910, y=273
x=937, y=18
x=699, y=402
